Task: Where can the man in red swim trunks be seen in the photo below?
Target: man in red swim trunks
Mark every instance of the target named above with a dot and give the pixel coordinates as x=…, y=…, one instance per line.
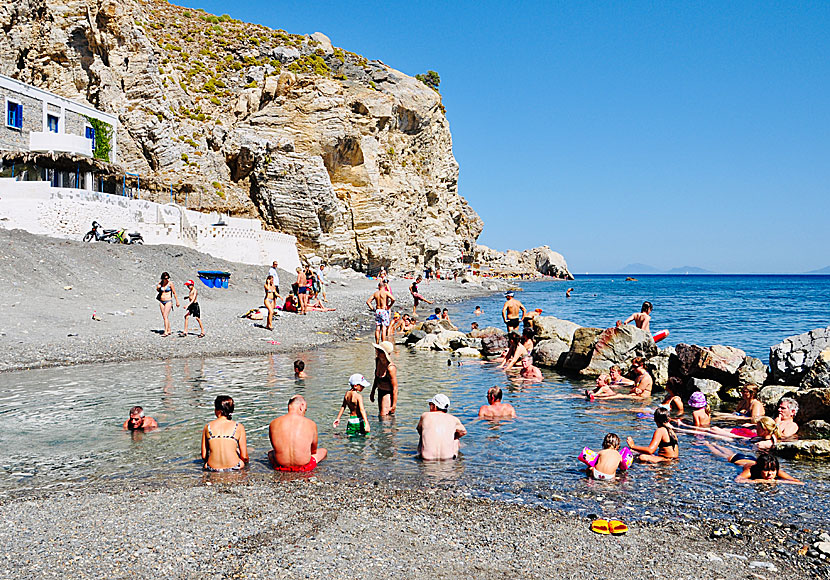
x=294, y=440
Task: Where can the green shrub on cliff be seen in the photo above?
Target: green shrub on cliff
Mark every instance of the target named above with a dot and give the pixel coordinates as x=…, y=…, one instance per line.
x=431, y=79
x=311, y=63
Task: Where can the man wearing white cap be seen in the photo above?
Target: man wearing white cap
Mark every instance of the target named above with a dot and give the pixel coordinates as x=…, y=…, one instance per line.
x=439, y=431
x=512, y=312
x=358, y=420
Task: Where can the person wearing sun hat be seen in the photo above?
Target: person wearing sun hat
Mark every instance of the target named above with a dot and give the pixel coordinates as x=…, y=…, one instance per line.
x=701, y=412
x=386, y=379
x=439, y=431
x=193, y=308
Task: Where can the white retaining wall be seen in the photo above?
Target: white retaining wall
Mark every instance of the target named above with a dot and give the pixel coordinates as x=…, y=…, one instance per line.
x=37, y=207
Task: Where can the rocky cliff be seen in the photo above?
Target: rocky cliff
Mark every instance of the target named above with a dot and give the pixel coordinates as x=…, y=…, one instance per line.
x=349, y=155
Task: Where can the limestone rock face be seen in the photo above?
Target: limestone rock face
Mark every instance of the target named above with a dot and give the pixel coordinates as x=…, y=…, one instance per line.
x=792, y=358
x=541, y=260
x=818, y=377
x=582, y=346
x=812, y=404
x=549, y=352
x=351, y=156
x=752, y=372
x=617, y=346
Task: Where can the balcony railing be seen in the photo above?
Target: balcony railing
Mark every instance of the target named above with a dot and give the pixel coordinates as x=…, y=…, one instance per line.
x=63, y=142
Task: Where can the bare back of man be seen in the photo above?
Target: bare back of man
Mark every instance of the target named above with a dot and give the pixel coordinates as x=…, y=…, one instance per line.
x=383, y=300
x=439, y=433
x=497, y=410
x=294, y=439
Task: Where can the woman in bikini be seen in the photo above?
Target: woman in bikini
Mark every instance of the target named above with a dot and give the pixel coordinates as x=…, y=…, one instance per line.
x=664, y=441
x=270, y=301
x=165, y=293
x=386, y=379
x=224, y=447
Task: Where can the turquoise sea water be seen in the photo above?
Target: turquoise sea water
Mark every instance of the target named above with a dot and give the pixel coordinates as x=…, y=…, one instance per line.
x=62, y=427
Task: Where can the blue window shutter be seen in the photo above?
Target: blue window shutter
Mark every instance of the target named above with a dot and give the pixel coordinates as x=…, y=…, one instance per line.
x=19, y=116
x=90, y=134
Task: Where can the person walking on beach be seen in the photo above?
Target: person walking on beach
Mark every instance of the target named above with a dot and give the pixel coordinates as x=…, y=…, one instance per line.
x=273, y=271
x=138, y=422
x=224, y=447
x=383, y=300
x=358, y=423
x=270, y=301
x=193, y=308
x=165, y=293
x=495, y=409
x=641, y=319
x=386, y=379
x=294, y=439
x=321, y=280
x=439, y=431
x=416, y=296
x=512, y=312
x=302, y=290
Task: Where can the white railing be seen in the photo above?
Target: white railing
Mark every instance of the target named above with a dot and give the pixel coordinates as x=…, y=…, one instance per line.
x=64, y=142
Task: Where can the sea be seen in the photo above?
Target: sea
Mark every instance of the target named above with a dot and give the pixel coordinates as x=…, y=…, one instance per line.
x=62, y=426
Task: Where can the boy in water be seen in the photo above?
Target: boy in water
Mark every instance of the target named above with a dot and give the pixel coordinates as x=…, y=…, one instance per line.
x=608, y=460
x=358, y=420
x=193, y=308
x=299, y=370
x=642, y=318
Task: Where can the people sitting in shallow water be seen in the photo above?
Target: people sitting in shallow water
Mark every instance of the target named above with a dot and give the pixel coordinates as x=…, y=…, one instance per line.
x=608, y=460
x=748, y=407
x=358, y=423
x=299, y=370
x=495, y=409
x=764, y=435
x=294, y=439
x=224, y=447
x=138, y=422
x=672, y=400
x=787, y=410
x=515, y=351
x=701, y=412
x=530, y=372
x=664, y=441
x=641, y=388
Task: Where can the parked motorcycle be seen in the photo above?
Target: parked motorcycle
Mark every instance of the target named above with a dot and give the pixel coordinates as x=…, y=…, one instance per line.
x=122, y=237
x=99, y=234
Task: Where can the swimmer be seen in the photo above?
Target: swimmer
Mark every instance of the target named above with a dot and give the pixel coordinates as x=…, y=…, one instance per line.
x=477, y=311
x=358, y=420
x=765, y=469
x=495, y=409
x=672, y=400
x=138, y=422
x=664, y=441
x=568, y=292
x=530, y=372
x=294, y=439
x=787, y=410
x=608, y=460
x=299, y=370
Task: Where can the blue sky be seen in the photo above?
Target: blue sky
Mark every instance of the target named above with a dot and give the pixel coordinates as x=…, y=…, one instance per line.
x=667, y=133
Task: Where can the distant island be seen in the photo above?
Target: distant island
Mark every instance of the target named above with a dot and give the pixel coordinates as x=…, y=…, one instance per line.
x=638, y=268
x=825, y=270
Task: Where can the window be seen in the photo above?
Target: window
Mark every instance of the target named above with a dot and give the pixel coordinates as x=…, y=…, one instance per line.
x=52, y=123
x=90, y=134
x=14, y=115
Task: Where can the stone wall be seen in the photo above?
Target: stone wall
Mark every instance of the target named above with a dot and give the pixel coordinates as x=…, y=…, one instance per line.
x=16, y=139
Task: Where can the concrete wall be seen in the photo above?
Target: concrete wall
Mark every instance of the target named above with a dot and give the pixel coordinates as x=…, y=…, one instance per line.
x=36, y=207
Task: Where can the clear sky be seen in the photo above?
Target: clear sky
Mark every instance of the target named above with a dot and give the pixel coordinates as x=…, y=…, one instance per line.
x=667, y=133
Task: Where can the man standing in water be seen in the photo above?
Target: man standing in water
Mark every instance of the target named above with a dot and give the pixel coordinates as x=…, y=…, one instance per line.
x=439, y=431
x=512, y=312
x=294, y=440
x=383, y=300
x=138, y=422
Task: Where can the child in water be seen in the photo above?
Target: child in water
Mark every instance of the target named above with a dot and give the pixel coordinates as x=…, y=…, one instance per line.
x=358, y=420
x=608, y=460
x=701, y=412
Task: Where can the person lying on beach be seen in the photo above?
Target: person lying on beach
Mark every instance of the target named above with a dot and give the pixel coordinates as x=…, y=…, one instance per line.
x=515, y=351
x=608, y=460
x=299, y=370
x=358, y=423
x=294, y=439
x=138, y=422
x=224, y=447
x=641, y=319
x=787, y=410
x=765, y=469
x=530, y=372
x=495, y=409
x=439, y=431
x=664, y=441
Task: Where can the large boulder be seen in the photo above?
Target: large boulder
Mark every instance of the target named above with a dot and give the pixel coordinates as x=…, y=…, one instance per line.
x=487, y=331
x=445, y=338
x=548, y=353
x=818, y=377
x=493, y=344
x=582, y=346
x=817, y=429
x=414, y=336
x=430, y=326
x=803, y=449
x=752, y=372
x=658, y=366
x=548, y=327
x=468, y=352
x=465, y=342
x=431, y=342
x=812, y=404
x=790, y=360
x=718, y=363
x=708, y=387
x=617, y=346
x=771, y=394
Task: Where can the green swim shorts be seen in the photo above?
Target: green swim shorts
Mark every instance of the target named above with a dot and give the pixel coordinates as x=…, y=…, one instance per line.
x=355, y=426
